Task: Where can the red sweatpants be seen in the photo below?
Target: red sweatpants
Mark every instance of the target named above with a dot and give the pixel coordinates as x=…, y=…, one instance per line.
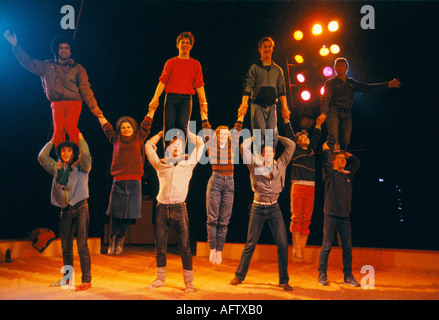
x=65, y=115
x=302, y=206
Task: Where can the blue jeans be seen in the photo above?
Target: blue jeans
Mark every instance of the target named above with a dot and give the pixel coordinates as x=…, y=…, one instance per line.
x=339, y=124
x=165, y=216
x=74, y=221
x=258, y=215
x=330, y=225
x=219, y=205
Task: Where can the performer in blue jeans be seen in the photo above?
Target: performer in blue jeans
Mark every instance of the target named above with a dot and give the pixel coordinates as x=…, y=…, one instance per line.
x=337, y=208
x=267, y=180
x=221, y=147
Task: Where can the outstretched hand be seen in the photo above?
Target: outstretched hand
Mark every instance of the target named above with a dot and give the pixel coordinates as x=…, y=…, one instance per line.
x=395, y=83
x=12, y=38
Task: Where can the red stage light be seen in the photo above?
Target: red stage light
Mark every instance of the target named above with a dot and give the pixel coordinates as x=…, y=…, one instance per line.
x=300, y=77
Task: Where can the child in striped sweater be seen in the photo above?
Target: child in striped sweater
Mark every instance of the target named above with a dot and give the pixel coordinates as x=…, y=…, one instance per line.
x=221, y=147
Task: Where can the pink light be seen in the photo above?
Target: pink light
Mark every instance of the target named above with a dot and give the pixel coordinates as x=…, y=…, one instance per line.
x=305, y=95
x=327, y=72
x=300, y=77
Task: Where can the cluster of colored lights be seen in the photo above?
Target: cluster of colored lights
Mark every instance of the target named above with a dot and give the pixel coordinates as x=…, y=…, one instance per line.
x=334, y=49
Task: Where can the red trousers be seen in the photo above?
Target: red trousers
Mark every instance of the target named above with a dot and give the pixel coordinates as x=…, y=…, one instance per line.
x=65, y=116
x=302, y=206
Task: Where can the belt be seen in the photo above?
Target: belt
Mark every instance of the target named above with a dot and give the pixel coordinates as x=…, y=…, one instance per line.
x=265, y=203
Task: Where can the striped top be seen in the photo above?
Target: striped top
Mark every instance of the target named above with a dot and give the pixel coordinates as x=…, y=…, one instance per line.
x=222, y=159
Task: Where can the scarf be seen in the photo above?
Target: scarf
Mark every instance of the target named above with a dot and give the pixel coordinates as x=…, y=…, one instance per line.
x=62, y=178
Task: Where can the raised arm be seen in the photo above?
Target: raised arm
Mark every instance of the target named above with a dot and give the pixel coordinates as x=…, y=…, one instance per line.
x=84, y=160
x=151, y=149
x=49, y=164
x=33, y=65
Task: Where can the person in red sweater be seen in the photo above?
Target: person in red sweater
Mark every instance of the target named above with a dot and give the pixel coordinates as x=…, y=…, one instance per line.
x=127, y=170
x=181, y=77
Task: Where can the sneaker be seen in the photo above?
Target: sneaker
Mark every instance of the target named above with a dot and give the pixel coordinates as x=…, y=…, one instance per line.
x=286, y=287
x=157, y=283
x=351, y=281
x=323, y=281
x=235, y=281
x=84, y=286
x=189, y=287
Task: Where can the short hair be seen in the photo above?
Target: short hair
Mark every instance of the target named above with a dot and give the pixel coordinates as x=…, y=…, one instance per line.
x=336, y=153
x=303, y=132
x=128, y=119
x=265, y=39
x=187, y=35
x=59, y=39
x=341, y=59
x=68, y=144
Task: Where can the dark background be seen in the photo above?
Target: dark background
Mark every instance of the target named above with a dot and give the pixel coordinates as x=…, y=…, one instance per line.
x=124, y=44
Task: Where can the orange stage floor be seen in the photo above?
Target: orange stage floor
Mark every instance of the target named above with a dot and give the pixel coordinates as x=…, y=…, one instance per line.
x=398, y=275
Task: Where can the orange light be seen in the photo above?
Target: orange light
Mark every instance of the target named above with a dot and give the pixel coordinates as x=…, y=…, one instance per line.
x=324, y=51
x=298, y=35
x=334, y=49
x=317, y=29
x=333, y=26
x=298, y=58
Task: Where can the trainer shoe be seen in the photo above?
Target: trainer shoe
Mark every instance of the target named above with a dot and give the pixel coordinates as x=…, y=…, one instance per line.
x=323, y=281
x=286, y=287
x=235, y=281
x=351, y=281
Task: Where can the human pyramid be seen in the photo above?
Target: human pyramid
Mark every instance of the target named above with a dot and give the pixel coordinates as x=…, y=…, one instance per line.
x=66, y=85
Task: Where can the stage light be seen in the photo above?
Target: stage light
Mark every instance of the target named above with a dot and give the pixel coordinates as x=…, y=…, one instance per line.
x=333, y=26
x=317, y=29
x=324, y=51
x=305, y=95
x=334, y=49
x=298, y=58
x=300, y=77
x=298, y=35
x=327, y=71
x=322, y=90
